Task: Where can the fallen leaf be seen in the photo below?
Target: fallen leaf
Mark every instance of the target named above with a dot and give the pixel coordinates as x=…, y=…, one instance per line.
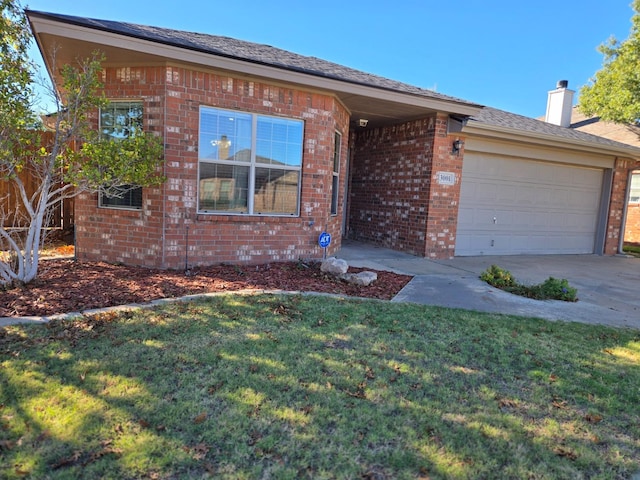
x=553, y=378
x=66, y=461
x=593, y=418
x=199, y=451
x=507, y=403
x=200, y=418
x=6, y=445
x=566, y=453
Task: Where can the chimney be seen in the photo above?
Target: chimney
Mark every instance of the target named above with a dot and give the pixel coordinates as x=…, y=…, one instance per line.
x=559, y=105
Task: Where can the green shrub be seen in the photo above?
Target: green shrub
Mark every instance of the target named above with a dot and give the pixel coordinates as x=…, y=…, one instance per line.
x=498, y=277
x=557, y=289
x=550, y=289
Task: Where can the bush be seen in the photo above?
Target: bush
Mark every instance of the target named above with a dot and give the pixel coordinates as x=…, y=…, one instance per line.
x=498, y=277
x=550, y=289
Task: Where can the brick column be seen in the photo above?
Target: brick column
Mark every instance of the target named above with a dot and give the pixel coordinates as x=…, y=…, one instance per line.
x=444, y=193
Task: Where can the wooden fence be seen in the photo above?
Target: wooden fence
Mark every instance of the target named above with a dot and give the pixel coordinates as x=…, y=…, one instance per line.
x=12, y=207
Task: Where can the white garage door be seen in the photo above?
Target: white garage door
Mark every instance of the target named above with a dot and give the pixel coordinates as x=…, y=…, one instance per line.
x=511, y=206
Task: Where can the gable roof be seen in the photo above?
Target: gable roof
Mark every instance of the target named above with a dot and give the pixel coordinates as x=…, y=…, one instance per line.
x=372, y=95
x=251, y=52
x=365, y=95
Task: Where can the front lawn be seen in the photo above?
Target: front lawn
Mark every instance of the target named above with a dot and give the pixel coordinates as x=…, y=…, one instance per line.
x=316, y=387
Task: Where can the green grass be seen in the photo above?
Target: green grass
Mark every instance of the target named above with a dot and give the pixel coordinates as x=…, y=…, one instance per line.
x=632, y=249
x=314, y=387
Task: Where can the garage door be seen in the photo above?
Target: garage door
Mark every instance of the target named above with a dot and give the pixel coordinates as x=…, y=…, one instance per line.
x=511, y=206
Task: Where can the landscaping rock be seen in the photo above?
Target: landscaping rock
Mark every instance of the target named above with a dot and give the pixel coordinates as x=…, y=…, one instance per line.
x=363, y=279
x=334, y=266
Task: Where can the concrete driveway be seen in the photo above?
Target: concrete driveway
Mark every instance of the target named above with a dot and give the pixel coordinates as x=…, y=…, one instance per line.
x=608, y=287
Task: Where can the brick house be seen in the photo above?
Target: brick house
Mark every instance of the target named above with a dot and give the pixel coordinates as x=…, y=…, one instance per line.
x=265, y=149
x=629, y=134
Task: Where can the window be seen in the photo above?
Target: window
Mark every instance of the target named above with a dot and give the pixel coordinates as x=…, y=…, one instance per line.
x=249, y=163
x=337, y=142
x=634, y=192
x=120, y=120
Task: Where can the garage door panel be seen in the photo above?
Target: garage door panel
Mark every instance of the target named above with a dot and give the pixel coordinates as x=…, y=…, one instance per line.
x=538, y=207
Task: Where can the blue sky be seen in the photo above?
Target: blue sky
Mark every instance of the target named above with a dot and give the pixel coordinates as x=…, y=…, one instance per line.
x=505, y=54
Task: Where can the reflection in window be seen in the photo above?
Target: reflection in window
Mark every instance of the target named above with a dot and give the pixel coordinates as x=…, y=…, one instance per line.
x=120, y=120
x=249, y=163
x=634, y=192
x=337, y=142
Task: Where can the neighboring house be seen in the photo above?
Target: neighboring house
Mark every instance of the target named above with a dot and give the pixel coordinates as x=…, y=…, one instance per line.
x=265, y=149
x=629, y=134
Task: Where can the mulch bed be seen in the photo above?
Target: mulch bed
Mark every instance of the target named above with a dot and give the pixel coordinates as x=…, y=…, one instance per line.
x=64, y=285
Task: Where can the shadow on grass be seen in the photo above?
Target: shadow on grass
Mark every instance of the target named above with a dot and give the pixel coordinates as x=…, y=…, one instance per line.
x=298, y=387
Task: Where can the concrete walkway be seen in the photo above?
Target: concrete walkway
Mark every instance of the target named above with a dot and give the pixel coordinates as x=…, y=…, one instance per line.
x=608, y=287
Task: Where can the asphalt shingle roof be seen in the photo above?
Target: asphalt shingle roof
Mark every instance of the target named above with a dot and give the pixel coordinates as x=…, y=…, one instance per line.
x=275, y=57
x=501, y=118
x=250, y=52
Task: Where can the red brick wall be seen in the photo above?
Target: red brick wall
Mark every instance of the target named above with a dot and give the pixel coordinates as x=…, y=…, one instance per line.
x=621, y=173
x=158, y=235
x=443, y=199
x=394, y=198
x=117, y=235
x=632, y=226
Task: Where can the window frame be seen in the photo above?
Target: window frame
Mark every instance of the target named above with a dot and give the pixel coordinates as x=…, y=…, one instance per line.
x=634, y=188
x=335, y=177
x=103, y=199
x=253, y=164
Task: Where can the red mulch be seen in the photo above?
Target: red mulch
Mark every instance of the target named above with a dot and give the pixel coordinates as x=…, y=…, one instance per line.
x=64, y=285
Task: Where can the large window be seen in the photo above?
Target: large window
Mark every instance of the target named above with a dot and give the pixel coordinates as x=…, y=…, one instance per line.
x=120, y=120
x=337, y=142
x=248, y=163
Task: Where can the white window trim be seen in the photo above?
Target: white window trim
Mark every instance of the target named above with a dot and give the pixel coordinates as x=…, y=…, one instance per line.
x=634, y=187
x=252, y=164
x=335, y=174
x=100, y=193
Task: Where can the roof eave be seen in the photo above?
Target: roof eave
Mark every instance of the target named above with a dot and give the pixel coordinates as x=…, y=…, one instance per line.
x=42, y=24
x=549, y=140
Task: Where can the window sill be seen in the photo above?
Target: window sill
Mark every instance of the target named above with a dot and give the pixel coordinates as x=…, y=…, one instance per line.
x=234, y=218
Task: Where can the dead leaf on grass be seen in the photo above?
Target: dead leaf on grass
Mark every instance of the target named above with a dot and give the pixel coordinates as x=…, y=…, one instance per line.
x=6, y=445
x=67, y=461
x=200, y=418
x=565, y=452
x=593, y=418
x=199, y=451
x=507, y=403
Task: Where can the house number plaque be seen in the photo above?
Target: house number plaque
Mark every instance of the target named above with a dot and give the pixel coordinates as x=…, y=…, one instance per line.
x=446, y=178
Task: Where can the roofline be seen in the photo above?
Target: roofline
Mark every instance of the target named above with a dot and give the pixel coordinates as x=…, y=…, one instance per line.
x=66, y=28
x=475, y=127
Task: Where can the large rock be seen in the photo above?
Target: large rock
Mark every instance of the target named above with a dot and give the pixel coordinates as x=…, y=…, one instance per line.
x=334, y=266
x=363, y=278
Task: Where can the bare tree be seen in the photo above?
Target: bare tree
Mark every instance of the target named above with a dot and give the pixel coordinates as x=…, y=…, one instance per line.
x=41, y=169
